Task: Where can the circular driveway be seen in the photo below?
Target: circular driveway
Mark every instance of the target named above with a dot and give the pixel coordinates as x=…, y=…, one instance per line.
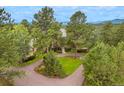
x=34, y=79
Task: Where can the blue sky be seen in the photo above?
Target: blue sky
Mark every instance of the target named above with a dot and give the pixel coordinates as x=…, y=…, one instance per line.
x=63, y=13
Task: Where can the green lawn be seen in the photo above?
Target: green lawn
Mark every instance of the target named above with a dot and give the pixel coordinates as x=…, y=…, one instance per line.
x=69, y=64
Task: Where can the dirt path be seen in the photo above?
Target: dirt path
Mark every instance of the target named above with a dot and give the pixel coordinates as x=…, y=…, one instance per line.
x=33, y=78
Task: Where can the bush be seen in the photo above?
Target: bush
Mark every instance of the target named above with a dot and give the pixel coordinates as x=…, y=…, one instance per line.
x=120, y=72
x=7, y=77
x=101, y=65
x=5, y=82
x=26, y=59
x=52, y=67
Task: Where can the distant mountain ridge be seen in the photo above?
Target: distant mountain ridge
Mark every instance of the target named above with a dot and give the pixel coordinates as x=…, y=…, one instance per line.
x=114, y=21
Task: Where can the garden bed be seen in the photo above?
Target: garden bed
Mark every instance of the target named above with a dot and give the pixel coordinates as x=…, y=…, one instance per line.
x=69, y=65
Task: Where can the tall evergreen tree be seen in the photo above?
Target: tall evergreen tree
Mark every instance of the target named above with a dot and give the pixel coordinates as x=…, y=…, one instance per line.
x=27, y=25
x=5, y=18
x=76, y=28
x=44, y=18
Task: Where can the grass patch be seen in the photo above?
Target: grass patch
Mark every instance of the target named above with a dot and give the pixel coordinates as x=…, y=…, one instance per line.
x=31, y=61
x=69, y=64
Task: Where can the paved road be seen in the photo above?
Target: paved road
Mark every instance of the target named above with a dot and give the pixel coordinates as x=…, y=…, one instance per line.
x=34, y=79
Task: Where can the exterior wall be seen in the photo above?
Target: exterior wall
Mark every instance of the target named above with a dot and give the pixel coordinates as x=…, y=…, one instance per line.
x=63, y=32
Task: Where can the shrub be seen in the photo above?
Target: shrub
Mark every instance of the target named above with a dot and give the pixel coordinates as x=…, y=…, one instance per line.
x=101, y=65
x=120, y=78
x=28, y=58
x=52, y=66
x=5, y=82
x=7, y=77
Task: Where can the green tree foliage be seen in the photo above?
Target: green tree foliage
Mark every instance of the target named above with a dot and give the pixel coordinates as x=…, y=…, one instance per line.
x=4, y=16
x=8, y=57
x=119, y=34
x=22, y=40
x=78, y=18
x=52, y=66
x=111, y=34
x=40, y=40
x=54, y=34
x=101, y=65
x=45, y=41
x=14, y=46
x=104, y=65
x=45, y=30
x=7, y=49
x=44, y=18
x=78, y=32
x=75, y=28
x=89, y=38
x=5, y=19
x=26, y=24
x=9, y=54
x=120, y=56
x=106, y=33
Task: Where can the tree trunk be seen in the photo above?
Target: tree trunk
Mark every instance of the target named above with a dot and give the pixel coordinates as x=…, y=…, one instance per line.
x=75, y=51
x=63, y=50
x=47, y=49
